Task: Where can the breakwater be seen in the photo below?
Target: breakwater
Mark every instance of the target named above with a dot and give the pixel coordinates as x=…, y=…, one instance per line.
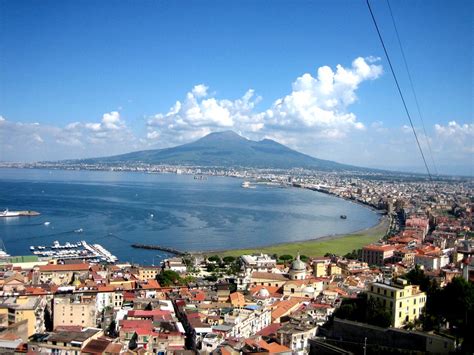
x=158, y=247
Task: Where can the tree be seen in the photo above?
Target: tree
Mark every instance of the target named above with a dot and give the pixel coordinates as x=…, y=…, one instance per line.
x=416, y=276
x=133, y=342
x=211, y=278
x=228, y=259
x=364, y=310
x=48, y=320
x=211, y=267
x=304, y=258
x=168, y=278
x=214, y=258
x=112, y=329
x=286, y=257
x=354, y=254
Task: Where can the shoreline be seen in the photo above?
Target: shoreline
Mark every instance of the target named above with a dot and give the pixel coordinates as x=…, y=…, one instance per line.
x=370, y=234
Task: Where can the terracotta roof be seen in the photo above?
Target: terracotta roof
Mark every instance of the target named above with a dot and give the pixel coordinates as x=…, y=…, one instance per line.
x=147, y=314
x=237, y=299
x=269, y=330
x=269, y=276
x=374, y=247
x=281, y=308
x=96, y=346
x=70, y=267
x=127, y=324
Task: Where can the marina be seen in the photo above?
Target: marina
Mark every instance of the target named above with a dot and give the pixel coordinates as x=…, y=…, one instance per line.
x=94, y=253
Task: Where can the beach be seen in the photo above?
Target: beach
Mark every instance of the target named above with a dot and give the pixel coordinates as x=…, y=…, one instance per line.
x=336, y=244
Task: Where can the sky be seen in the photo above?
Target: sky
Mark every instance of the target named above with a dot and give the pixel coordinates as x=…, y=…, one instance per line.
x=94, y=78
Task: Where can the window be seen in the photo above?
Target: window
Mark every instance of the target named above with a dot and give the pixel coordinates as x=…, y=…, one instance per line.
x=400, y=304
x=391, y=294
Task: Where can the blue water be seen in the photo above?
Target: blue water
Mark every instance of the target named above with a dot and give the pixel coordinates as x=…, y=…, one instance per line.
x=116, y=209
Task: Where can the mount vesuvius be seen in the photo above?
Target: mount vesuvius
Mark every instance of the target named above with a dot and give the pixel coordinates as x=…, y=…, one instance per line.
x=225, y=149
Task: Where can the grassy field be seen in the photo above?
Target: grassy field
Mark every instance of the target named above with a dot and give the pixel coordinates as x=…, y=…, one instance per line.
x=339, y=245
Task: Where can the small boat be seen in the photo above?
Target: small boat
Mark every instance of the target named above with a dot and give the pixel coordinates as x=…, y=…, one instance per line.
x=80, y=230
x=152, y=215
x=246, y=185
x=47, y=223
x=343, y=216
x=32, y=248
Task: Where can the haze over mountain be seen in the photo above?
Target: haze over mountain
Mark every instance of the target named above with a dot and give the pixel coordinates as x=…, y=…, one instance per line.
x=226, y=149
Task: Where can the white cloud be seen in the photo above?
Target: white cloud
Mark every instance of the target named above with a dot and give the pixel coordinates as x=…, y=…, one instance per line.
x=455, y=138
x=320, y=103
x=200, y=90
x=34, y=141
x=456, y=130
x=199, y=115
x=316, y=104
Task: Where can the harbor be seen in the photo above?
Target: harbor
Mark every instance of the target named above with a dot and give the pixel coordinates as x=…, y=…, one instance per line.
x=94, y=253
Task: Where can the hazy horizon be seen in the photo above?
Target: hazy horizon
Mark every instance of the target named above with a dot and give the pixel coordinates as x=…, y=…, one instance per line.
x=145, y=75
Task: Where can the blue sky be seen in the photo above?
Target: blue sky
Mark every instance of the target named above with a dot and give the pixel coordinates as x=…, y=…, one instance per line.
x=88, y=78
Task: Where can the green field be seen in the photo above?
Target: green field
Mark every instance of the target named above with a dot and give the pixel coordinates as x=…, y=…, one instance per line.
x=338, y=245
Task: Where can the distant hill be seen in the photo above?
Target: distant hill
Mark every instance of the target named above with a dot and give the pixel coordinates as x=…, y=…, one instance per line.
x=226, y=149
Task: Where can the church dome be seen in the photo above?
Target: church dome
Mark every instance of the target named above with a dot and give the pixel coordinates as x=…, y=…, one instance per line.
x=298, y=265
x=263, y=293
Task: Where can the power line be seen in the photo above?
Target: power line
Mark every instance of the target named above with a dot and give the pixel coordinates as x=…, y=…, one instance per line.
x=399, y=90
x=412, y=88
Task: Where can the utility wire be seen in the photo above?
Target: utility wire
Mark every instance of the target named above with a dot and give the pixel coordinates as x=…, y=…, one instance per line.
x=412, y=88
x=399, y=90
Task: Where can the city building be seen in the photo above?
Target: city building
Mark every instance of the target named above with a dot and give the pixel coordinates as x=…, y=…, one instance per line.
x=404, y=302
x=74, y=310
x=377, y=254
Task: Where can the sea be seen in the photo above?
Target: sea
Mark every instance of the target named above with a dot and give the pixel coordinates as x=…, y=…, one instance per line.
x=117, y=209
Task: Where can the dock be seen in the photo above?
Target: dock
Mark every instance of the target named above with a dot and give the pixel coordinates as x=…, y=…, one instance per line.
x=158, y=247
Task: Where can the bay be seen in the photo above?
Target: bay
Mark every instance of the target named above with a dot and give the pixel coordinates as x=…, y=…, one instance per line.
x=116, y=209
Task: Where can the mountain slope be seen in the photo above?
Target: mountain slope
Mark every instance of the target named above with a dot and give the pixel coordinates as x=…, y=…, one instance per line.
x=227, y=149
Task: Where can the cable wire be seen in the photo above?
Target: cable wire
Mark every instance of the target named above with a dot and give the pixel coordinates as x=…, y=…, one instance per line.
x=399, y=90
x=412, y=88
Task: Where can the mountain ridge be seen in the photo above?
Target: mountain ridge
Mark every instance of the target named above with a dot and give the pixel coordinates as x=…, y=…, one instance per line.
x=226, y=149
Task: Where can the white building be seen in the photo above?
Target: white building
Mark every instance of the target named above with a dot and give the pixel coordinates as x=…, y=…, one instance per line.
x=257, y=263
x=431, y=262
x=247, y=322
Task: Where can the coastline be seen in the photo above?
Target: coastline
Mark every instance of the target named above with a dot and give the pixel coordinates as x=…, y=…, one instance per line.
x=337, y=243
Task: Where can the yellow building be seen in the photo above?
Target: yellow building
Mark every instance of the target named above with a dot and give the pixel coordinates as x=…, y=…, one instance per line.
x=71, y=310
x=148, y=272
x=17, y=309
x=404, y=302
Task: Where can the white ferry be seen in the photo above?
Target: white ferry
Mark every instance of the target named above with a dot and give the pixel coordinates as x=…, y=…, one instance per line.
x=8, y=213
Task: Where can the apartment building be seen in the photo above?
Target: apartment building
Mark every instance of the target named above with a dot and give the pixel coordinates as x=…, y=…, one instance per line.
x=74, y=310
x=404, y=302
